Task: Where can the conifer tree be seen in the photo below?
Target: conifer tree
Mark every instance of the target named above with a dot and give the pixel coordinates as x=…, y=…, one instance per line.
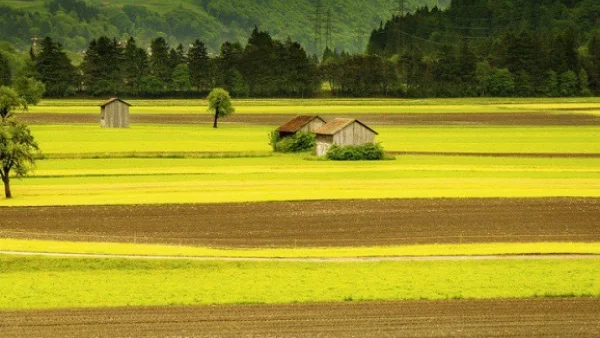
x=54, y=69
x=198, y=65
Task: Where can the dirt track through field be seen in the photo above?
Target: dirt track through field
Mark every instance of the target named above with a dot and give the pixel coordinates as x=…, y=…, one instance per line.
x=409, y=119
x=465, y=318
x=316, y=223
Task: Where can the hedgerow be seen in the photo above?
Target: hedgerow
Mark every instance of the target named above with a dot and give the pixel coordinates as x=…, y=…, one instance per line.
x=364, y=152
x=297, y=143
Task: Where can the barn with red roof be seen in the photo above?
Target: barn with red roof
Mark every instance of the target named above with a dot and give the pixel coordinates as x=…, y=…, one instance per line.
x=301, y=124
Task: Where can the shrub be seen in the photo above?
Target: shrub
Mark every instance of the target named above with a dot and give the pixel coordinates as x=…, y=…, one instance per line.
x=298, y=143
x=274, y=138
x=365, y=152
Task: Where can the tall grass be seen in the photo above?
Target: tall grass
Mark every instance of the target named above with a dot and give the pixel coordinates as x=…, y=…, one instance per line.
x=64, y=283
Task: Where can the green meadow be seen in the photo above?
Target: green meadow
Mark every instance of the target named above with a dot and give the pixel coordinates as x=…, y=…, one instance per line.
x=300, y=177
x=151, y=163
x=86, y=139
x=37, y=283
x=163, y=164
x=338, y=106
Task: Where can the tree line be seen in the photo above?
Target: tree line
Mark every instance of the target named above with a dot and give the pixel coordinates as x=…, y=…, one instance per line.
x=483, y=48
x=264, y=67
x=472, y=48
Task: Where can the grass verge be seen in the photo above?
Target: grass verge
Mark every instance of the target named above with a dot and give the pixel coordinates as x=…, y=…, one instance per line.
x=35, y=282
x=7, y=244
x=288, y=178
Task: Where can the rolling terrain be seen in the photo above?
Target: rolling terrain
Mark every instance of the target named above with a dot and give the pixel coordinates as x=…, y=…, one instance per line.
x=365, y=248
x=183, y=21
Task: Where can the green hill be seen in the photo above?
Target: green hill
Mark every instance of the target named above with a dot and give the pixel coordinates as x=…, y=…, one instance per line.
x=75, y=22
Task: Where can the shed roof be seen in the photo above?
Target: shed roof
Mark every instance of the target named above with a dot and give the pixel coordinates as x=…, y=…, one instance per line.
x=338, y=124
x=298, y=122
x=111, y=100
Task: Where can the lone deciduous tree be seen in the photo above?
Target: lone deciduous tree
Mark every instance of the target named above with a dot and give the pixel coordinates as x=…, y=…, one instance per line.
x=219, y=103
x=17, y=149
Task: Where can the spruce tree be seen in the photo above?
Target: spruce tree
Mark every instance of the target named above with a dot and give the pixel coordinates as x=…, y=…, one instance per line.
x=135, y=66
x=102, y=67
x=594, y=51
x=198, y=65
x=159, y=60
x=467, y=64
x=181, y=55
x=54, y=69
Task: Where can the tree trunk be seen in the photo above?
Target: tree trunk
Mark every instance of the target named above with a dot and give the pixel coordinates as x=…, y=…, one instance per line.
x=216, y=117
x=6, y=181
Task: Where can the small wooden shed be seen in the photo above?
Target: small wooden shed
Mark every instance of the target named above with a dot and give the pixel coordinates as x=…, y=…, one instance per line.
x=301, y=124
x=114, y=114
x=343, y=132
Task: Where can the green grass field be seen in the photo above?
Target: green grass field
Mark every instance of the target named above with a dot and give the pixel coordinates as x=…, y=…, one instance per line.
x=88, y=165
x=337, y=106
x=35, y=282
x=160, y=164
x=86, y=139
x=198, y=180
x=486, y=249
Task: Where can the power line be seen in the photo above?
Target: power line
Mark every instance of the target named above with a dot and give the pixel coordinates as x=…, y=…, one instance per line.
x=318, y=26
x=328, y=31
x=401, y=9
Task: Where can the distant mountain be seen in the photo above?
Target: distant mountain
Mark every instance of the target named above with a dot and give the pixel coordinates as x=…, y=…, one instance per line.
x=75, y=22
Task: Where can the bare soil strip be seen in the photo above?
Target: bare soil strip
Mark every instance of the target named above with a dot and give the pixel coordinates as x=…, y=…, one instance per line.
x=408, y=119
x=311, y=260
x=316, y=223
x=465, y=318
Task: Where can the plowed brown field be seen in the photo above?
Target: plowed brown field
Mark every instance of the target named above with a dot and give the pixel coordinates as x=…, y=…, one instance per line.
x=488, y=318
x=316, y=223
x=490, y=119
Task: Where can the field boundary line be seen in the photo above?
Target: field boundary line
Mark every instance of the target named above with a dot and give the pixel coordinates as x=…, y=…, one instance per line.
x=481, y=154
x=251, y=154
x=311, y=260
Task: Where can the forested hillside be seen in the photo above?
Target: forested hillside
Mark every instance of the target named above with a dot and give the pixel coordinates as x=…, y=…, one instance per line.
x=471, y=48
x=481, y=47
x=74, y=23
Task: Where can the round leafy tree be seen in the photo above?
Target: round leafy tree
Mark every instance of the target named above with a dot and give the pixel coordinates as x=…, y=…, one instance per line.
x=219, y=104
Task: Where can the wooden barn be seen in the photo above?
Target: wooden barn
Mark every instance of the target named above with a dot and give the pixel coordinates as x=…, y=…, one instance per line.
x=343, y=132
x=114, y=114
x=301, y=124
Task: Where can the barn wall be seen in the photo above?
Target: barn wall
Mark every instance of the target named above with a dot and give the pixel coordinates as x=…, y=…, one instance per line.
x=362, y=135
x=108, y=117
x=103, y=117
x=324, y=142
x=116, y=115
x=312, y=126
x=354, y=134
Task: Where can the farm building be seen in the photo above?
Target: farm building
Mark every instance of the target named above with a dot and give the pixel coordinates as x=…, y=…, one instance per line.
x=343, y=132
x=114, y=114
x=301, y=124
